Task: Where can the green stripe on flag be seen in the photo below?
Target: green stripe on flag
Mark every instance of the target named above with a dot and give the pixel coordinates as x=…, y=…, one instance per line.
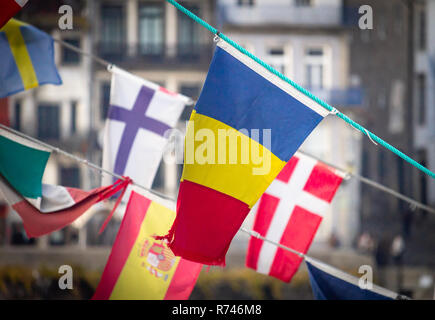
x=23, y=167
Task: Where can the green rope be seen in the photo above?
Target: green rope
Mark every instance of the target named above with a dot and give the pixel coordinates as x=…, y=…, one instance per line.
x=304, y=91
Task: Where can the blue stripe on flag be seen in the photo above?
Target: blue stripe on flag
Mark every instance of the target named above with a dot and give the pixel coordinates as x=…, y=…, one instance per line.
x=41, y=52
x=10, y=80
x=327, y=287
x=241, y=98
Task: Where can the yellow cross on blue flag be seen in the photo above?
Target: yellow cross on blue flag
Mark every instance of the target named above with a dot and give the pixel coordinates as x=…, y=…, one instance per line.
x=27, y=56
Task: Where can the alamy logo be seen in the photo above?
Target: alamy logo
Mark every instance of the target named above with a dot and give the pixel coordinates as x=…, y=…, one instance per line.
x=205, y=146
x=66, y=20
x=66, y=280
x=366, y=20
x=366, y=280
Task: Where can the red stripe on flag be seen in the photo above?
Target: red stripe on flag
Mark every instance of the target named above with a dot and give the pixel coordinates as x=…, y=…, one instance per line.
x=288, y=169
x=298, y=235
x=8, y=8
x=37, y=224
x=183, y=281
x=323, y=182
x=263, y=218
x=207, y=220
x=124, y=242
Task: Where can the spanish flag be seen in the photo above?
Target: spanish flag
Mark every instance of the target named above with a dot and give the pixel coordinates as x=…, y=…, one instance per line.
x=141, y=267
x=246, y=126
x=27, y=57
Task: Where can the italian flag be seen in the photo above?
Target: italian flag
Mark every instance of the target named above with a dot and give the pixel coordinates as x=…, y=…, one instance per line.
x=9, y=8
x=43, y=208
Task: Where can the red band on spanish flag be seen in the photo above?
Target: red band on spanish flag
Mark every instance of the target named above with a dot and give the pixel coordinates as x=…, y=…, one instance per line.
x=140, y=267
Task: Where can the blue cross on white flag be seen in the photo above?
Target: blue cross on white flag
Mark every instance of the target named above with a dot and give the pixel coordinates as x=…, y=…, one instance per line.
x=139, y=115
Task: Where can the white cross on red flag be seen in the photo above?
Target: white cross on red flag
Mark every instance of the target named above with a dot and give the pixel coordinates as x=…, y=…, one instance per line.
x=290, y=212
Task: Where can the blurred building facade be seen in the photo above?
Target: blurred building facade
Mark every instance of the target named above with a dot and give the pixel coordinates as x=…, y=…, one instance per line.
x=424, y=96
x=392, y=63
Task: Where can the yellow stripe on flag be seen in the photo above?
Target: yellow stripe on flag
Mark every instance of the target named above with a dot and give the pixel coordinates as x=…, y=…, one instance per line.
x=20, y=53
x=150, y=262
x=236, y=179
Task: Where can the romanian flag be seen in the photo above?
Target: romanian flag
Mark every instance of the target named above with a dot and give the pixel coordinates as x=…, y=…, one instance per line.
x=141, y=267
x=43, y=208
x=245, y=127
x=27, y=57
x=9, y=8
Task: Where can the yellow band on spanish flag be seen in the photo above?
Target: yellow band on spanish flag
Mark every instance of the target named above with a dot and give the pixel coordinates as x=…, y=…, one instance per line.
x=143, y=264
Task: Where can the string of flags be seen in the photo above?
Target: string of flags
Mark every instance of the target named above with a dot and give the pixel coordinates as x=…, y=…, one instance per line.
x=239, y=98
x=43, y=208
x=136, y=242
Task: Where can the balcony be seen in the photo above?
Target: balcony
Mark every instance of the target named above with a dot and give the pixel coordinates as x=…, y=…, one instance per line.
x=349, y=97
x=196, y=56
x=260, y=14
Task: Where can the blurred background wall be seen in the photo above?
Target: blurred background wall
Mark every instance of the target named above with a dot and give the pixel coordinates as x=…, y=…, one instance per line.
x=383, y=78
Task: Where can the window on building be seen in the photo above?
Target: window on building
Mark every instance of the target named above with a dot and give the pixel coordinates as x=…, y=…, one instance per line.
x=113, y=32
x=303, y=3
x=421, y=98
x=314, y=68
x=400, y=180
x=17, y=115
x=48, y=122
x=70, y=177
x=19, y=236
x=189, y=34
x=276, y=58
x=151, y=28
x=159, y=179
x=191, y=91
x=382, y=98
x=422, y=156
x=69, y=56
x=73, y=117
x=245, y=2
x=422, y=29
x=382, y=30
x=57, y=238
x=381, y=165
x=398, y=18
x=105, y=99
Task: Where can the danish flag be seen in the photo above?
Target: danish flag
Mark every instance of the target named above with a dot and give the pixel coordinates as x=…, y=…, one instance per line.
x=290, y=212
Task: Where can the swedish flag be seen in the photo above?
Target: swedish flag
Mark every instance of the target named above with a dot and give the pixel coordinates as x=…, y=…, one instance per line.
x=26, y=58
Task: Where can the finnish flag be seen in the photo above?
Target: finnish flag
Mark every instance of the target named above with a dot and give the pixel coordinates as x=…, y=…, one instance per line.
x=135, y=133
